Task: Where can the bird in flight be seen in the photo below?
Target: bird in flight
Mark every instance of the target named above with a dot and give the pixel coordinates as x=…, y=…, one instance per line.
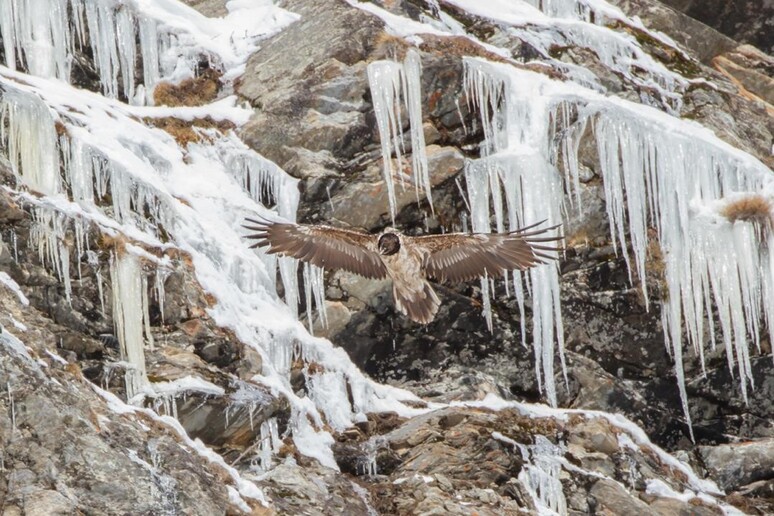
x=408, y=260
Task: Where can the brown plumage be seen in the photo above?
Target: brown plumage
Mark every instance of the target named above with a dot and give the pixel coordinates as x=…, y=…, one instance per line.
x=408, y=261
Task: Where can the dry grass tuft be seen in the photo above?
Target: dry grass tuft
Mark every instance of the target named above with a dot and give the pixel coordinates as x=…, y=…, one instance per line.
x=387, y=46
x=191, y=92
x=115, y=242
x=457, y=46
x=184, y=131
x=751, y=208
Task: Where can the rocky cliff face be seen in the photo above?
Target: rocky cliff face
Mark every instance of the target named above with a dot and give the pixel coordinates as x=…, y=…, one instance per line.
x=152, y=364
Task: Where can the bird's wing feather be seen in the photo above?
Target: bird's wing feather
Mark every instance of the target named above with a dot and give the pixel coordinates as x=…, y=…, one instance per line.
x=459, y=257
x=323, y=246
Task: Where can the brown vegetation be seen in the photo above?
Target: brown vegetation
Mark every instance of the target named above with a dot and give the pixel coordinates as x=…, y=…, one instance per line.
x=116, y=242
x=751, y=208
x=387, y=46
x=184, y=131
x=458, y=46
x=196, y=91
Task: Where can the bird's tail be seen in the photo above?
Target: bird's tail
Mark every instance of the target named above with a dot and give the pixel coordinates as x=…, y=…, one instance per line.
x=419, y=304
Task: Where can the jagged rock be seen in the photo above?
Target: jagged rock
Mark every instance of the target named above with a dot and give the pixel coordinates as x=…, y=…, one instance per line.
x=337, y=316
x=9, y=210
x=314, y=116
x=62, y=448
x=746, y=22
x=313, y=490
x=610, y=497
x=701, y=39
x=81, y=346
x=459, y=459
x=751, y=70
x=735, y=465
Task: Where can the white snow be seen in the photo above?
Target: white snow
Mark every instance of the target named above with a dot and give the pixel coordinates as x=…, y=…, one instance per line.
x=6, y=280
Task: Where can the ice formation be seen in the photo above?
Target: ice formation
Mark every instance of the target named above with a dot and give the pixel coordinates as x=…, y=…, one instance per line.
x=515, y=176
x=100, y=168
x=390, y=82
x=43, y=37
x=75, y=147
x=128, y=310
x=657, y=171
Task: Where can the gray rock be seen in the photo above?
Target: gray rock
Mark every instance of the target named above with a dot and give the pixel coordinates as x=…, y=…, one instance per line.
x=743, y=21
x=735, y=465
x=610, y=497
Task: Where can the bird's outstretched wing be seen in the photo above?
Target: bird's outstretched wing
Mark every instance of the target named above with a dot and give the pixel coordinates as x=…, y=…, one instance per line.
x=458, y=257
x=323, y=246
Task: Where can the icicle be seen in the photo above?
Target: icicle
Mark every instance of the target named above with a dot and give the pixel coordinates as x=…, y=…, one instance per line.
x=35, y=35
x=541, y=474
x=128, y=315
x=389, y=81
x=384, y=79
x=48, y=235
x=517, y=176
x=149, y=46
x=412, y=70
x=308, y=298
x=159, y=279
x=27, y=131
x=125, y=41
x=93, y=260
x=145, y=311
x=270, y=443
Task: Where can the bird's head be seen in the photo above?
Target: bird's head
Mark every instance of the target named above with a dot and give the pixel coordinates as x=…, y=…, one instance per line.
x=389, y=243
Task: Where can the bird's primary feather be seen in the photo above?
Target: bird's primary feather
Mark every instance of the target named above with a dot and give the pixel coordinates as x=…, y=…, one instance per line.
x=458, y=257
x=323, y=246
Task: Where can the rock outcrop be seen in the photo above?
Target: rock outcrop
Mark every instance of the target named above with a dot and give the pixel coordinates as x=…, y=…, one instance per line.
x=221, y=416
